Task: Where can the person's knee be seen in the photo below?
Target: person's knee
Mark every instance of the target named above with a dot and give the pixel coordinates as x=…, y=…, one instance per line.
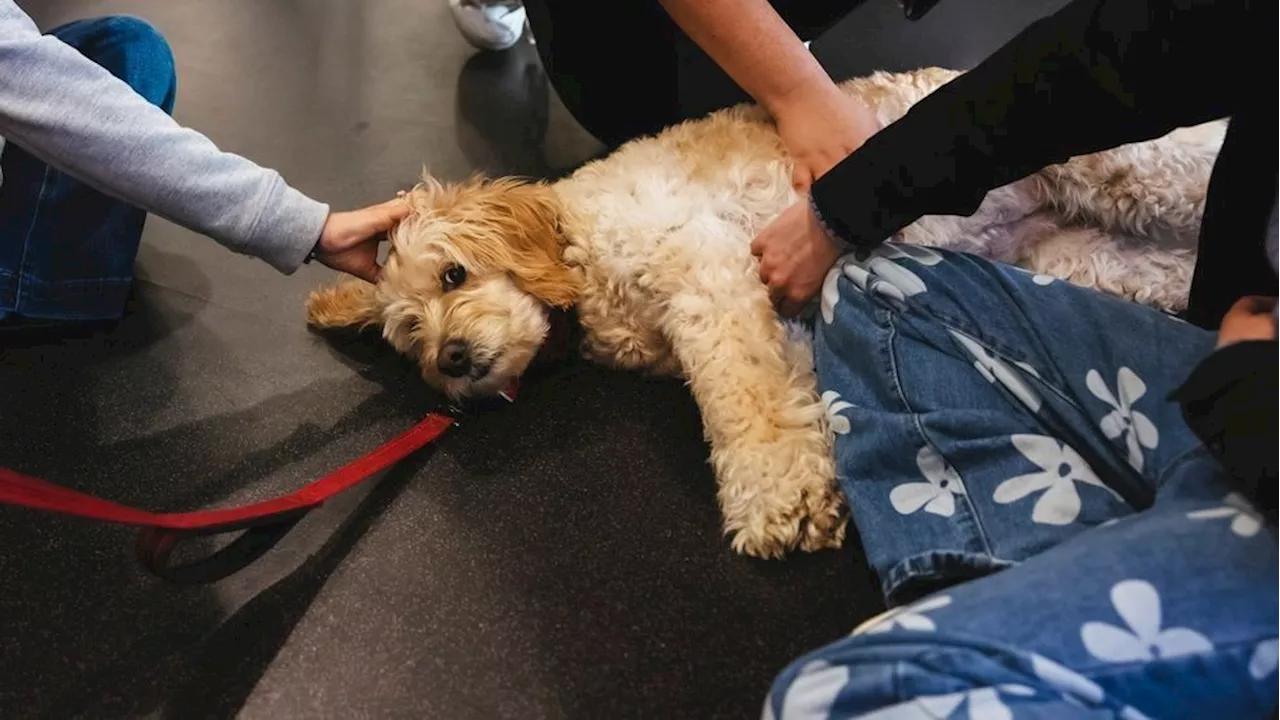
x=135, y=51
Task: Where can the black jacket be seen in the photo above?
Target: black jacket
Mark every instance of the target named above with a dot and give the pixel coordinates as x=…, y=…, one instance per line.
x=1098, y=74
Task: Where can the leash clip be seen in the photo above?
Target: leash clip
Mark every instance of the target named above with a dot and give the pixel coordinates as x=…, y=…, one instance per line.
x=457, y=414
x=453, y=411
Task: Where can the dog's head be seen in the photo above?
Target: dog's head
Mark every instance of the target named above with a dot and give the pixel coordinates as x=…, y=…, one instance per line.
x=469, y=285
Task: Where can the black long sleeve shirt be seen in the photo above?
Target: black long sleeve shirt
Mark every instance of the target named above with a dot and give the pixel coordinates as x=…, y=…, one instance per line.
x=1095, y=75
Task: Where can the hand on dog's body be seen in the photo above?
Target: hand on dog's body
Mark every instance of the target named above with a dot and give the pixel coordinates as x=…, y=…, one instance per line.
x=795, y=255
x=818, y=123
x=349, y=241
x=821, y=126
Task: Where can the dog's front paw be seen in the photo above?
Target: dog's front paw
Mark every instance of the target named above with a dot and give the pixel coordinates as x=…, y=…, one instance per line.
x=776, y=500
x=772, y=527
x=825, y=520
x=351, y=303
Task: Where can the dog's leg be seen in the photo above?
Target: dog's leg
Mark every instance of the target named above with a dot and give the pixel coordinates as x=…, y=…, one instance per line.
x=349, y=303
x=1132, y=269
x=624, y=332
x=1153, y=189
x=761, y=414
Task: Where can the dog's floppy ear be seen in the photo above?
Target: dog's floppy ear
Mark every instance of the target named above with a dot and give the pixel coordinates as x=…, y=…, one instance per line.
x=351, y=303
x=538, y=267
x=523, y=236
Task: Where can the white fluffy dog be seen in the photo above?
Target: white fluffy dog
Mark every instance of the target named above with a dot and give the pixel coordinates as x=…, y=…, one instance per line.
x=651, y=247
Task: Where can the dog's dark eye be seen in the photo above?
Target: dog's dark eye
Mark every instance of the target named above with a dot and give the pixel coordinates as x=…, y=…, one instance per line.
x=453, y=276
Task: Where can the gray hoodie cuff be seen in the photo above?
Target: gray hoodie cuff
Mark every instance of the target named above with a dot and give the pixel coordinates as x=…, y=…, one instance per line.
x=288, y=228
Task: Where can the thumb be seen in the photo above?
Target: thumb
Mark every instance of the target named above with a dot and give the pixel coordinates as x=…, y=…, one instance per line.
x=801, y=179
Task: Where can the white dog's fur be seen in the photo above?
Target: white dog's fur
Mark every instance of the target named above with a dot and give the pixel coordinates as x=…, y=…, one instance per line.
x=651, y=245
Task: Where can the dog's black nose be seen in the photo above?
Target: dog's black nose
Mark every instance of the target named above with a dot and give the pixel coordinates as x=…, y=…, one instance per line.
x=455, y=358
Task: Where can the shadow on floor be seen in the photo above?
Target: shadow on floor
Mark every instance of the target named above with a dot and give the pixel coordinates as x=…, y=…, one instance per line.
x=217, y=678
x=108, y=640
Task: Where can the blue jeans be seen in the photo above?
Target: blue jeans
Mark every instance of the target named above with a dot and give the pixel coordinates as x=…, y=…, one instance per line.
x=67, y=251
x=1051, y=538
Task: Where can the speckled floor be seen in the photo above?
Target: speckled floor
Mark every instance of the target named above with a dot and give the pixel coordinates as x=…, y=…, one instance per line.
x=559, y=558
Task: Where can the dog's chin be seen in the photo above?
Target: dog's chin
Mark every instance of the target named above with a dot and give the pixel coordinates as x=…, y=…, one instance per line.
x=499, y=375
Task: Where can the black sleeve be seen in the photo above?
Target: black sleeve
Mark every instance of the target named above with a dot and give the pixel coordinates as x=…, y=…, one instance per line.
x=1095, y=75
x=1229, y=402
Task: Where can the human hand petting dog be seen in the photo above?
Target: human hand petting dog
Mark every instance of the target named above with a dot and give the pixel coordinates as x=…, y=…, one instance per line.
x=795, y=255
x=818, y=122
x=349, y=241
x=820, y=125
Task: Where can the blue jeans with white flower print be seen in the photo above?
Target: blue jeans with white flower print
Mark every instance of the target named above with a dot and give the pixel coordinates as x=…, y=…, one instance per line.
x=1052, y=539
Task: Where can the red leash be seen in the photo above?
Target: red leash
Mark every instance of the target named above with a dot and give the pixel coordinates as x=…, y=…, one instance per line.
x=264, y=523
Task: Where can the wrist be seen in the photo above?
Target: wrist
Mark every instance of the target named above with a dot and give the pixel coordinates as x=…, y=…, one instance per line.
x=810, y=87
x=317, y=246
x=831, y=236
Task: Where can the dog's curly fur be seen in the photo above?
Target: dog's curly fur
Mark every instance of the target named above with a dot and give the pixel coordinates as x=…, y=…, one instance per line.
x=650, y=245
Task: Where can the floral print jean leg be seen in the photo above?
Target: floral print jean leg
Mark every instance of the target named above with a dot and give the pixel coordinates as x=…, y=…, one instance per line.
x=1009, y=442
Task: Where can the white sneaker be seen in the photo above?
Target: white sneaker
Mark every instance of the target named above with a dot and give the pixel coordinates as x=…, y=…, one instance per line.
x=489, y=24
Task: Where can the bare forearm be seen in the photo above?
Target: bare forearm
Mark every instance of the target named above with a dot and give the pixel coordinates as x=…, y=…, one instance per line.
x=752, y=44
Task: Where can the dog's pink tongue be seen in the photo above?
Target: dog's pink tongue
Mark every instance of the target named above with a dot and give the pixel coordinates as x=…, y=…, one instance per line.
x=511, y=390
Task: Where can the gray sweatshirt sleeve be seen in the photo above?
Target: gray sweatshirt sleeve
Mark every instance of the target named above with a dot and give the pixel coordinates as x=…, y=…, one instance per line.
x=71, y=113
